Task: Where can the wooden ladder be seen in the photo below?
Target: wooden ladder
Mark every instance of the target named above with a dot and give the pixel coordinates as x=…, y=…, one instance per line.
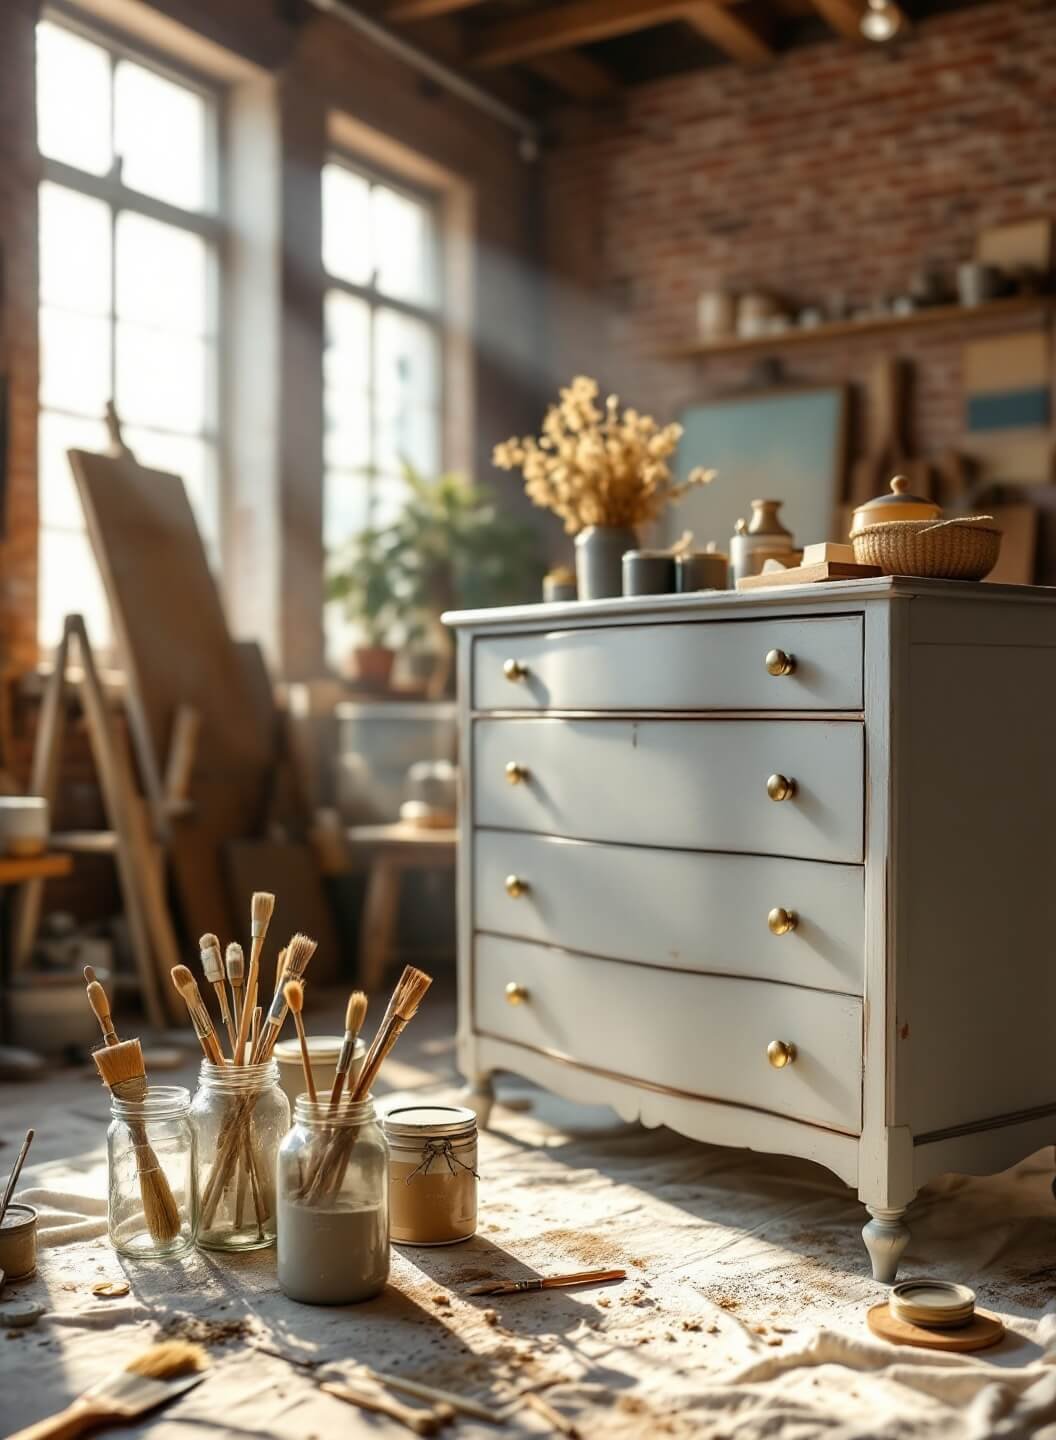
x=136, y=854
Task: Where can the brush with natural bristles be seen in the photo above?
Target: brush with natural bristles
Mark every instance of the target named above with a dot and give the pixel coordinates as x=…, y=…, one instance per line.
x=298, y=953
x=294, y=992
x=147, y=1381
x=213, y=970
x=235, y=965
x=355, y=1014
x=261, y=909
x=203, y=1026
x=124, y=1074
x=401, y=1010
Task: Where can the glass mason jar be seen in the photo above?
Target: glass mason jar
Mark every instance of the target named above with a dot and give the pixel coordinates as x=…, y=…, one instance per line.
x=150, y=1164
x=240, y=1116
x=333, y=1184
x=433, y=1174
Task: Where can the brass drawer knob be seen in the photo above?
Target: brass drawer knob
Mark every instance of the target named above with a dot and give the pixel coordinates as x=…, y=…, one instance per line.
x=780, y=921
x=516, y=994
x=779, y=662
x=515, y=670
x=516, y=887
x=780, y=1054
x=778, y=787
x=516, y=774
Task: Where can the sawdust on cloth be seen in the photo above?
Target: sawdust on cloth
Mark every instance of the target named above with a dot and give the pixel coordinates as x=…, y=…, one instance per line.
x=743, y=1313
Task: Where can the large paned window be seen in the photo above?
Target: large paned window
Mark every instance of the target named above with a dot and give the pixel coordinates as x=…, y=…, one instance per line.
x=129, y=290
x=383, y=362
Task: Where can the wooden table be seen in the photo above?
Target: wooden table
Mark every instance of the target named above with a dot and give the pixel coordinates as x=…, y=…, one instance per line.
x=14, y=869
x=387, y=851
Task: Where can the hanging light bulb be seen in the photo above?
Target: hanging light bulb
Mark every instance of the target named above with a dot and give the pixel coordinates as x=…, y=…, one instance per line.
x=881, y=21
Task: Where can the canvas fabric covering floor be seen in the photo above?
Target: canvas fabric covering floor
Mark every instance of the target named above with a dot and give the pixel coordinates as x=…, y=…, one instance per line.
x=743, y=1313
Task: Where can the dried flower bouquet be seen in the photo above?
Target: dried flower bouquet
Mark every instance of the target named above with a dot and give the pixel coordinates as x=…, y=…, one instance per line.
x=594, y=466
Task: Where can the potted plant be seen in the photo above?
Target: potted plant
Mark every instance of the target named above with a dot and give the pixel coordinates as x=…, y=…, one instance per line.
x=604, y=472
x=364, y=579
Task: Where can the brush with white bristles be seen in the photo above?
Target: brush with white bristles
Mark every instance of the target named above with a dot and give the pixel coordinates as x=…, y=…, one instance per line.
x=122, y=1071
x=235, y=965
x=294, y=992
x=355, y=1014
x=261, y=909
x=213, y=970
x=147, y=1381
x=203, y=1026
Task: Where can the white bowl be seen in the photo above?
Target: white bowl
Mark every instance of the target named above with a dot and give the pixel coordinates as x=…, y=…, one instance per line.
x=24, y=824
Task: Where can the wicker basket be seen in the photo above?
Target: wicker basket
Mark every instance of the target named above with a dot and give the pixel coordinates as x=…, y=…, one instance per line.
x=961, y=549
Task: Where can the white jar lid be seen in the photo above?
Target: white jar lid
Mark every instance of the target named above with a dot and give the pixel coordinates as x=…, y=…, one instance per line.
x=423, y=1122
x=320, y=1047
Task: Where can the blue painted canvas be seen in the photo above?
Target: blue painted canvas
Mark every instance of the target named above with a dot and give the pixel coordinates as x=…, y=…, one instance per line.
x=781, y=445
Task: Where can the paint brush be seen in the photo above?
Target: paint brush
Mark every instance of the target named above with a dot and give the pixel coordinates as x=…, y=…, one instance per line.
x=235, y=964
x=16, y=1171
x=543, y=1282
x=147, y=1381
x=122, y=1071
x=355, y=1014
x=421, y=1422
x=294, y=992
x=203, y=1026
x=213, y=970
x=101, y=1006
x=298, y=953
x=262, y=907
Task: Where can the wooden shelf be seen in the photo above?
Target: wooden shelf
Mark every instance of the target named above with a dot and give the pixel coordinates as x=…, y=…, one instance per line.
x=1016, y=308
x=14, y=869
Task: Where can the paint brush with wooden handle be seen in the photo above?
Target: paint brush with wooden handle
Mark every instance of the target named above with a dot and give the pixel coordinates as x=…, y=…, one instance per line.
x=542, y=1282
x=203, y=1027
x=235, y=965
x=213, y=970
x=422, y=1422
x=294, y=992
x=298, y=953
x=262, y=908
x=355, y=1014
x=101, y=1006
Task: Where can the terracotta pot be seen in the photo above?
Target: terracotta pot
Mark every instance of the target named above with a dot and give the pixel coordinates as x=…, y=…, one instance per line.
x=374, y=664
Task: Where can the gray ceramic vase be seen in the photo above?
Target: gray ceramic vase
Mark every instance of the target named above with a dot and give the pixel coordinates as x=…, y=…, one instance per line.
x=599, y=560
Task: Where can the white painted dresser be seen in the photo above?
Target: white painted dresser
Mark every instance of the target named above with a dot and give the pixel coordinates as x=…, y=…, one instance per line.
x=776, y=870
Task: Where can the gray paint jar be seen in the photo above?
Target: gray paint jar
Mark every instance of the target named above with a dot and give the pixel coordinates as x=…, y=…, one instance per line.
x=18, y=1242
x=648, y=572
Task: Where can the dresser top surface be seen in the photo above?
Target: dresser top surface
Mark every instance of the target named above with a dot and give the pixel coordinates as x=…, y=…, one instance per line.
x=837, y=594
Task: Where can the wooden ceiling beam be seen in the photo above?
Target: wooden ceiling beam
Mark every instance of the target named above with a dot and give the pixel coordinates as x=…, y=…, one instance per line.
x=580, y=22
x=729, y=32
x=577, y=75
x=843, y=16
x=400, y=12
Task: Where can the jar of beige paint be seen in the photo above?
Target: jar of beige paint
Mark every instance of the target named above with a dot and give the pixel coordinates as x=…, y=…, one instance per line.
x=323, y=1051
x=432, y=1174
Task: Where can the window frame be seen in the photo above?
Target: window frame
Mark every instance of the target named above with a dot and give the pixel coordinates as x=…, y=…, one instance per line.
x=211, y=224
x=435, y=315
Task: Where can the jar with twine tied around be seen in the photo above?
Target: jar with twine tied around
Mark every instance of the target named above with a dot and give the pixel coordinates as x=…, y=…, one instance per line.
x=432, y=1174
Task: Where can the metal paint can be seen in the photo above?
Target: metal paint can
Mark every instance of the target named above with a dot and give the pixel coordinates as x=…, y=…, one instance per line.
x=18, y=1242
x=648, y=572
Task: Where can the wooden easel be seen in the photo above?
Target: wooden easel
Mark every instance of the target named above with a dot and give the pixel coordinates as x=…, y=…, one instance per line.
x=129, y=839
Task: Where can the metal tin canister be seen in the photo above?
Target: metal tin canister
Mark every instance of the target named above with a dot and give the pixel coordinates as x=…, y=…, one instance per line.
x=648, y=572
x=18, y=1242
x=432, y=1174
x=702, y=570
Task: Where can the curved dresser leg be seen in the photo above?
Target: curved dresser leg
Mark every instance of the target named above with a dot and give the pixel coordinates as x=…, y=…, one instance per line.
x=886, y=1236
x=479, y=1095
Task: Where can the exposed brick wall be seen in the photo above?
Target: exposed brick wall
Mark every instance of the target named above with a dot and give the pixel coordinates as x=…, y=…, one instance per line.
x=839, y=169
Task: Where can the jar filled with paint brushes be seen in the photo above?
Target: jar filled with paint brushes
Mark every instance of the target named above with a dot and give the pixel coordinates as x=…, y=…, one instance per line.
x=433, y=1174
x=333, y=1203
x=150, y=1155
x=240, y=1117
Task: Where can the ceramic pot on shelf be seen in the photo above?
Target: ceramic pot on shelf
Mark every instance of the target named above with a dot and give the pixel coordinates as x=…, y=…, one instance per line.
x=760, y=539
x=898, y=505
x=599, y=560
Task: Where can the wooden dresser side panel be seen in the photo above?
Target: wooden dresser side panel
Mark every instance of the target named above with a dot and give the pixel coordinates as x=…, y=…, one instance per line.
x=976, y=867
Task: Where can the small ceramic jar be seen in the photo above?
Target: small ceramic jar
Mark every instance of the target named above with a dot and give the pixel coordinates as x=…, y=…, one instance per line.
x=433, y=1174
x=899, y=505
x=18, y=1242
x=648, y=572
x=760, y=539
x=701, y=570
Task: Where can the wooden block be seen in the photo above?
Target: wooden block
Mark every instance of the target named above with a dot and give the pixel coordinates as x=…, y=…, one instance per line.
x=981, y=1331
x=808, y=575
x=1023, y=243
x=828, y=550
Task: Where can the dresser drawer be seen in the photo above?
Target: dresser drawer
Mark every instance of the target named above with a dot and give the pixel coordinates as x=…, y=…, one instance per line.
x=712, y=665
x=700, y=1035
x=700, y=912
x=690, y=784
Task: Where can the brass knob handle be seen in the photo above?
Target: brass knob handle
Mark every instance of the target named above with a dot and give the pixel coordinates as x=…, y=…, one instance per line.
x=779, y=662
x=780, y=921
x=515, y=887
x=780, y=1054
x=514, y=670
x=516, y=774
x=516, y=994
x=779, y=787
